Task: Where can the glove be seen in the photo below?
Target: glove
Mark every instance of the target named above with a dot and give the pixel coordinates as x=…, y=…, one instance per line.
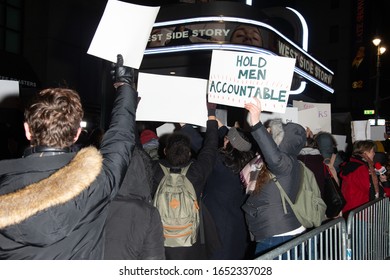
x=122, y=74
x=211, y=107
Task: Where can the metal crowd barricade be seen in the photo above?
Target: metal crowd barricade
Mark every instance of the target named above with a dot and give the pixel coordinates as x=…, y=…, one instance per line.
x=326, y=242
x=364, y=236
x=368, y=229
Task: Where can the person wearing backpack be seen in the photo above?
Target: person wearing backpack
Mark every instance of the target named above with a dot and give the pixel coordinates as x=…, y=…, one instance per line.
x=179, y=163
x=279, y=145
x=224, y=194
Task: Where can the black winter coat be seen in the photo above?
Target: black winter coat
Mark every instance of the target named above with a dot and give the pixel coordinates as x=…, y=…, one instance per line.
x=223, y=196
x=197, y=173
x=63, y=214
x=133, y=227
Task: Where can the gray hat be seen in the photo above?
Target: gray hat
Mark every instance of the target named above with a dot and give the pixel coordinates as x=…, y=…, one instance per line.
x=237, y=141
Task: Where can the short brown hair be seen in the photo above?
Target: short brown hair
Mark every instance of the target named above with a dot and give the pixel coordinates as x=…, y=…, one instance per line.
x=54, y=117
x=359, y=147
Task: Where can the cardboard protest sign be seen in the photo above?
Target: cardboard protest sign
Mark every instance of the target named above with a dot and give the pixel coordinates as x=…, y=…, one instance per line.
x=237, y=77
x=172, y=99
x=323, y=122
x=123, y=29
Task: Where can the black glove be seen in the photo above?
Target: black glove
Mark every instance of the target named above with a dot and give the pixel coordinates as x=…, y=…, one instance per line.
x=211, y=108
x=122, y=74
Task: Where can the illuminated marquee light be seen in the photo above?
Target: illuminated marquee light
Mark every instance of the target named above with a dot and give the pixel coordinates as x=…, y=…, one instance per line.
x=305, y=29
x=238, y=48
x=241, y=20
x=243, y=48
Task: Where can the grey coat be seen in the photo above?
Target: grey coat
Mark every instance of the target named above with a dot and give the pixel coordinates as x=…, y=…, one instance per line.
x=264, y=210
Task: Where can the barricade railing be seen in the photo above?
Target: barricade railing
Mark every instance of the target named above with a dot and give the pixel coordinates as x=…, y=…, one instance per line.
x=368, y=228
x=364, y=236
x=326, y=242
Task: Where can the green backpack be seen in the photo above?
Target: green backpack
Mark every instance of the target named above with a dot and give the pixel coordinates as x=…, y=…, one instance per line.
x=177, y=203
x=309, y=208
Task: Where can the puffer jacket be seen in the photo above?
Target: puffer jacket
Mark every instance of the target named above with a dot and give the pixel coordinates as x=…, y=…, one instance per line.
x=264, y=210
x=55, y=207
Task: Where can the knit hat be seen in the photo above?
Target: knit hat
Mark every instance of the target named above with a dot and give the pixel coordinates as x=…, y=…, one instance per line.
x=147, y=135
x=237, y=141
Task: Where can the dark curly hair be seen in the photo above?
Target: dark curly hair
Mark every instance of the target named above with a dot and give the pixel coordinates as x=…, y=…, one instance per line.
x=178, y=149
x=234, y=159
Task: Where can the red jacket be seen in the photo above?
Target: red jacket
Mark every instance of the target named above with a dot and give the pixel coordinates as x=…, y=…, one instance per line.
x=356, y=181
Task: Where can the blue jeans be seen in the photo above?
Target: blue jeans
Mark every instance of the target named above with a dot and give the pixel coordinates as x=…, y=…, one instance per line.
x=265, y=245
x=270, y=243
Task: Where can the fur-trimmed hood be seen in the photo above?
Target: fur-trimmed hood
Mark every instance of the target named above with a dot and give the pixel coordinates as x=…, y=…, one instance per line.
x=58, y=189
x=290, y=137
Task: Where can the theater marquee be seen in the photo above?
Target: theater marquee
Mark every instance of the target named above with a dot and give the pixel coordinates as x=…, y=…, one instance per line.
x=235, y=34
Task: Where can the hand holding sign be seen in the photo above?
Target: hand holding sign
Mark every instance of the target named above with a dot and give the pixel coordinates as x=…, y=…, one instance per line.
x=236, y=77
x=254, y=108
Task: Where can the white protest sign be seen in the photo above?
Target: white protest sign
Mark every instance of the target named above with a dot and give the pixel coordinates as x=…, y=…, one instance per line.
x=166, y=128
x=9, y=93
x=324, y=114
x=237, y=77
x=309, y=118
x=291, y=115
x=360, y=130
x=378, y=132
x=123, y=29
x=172, y=99
x=341, y=141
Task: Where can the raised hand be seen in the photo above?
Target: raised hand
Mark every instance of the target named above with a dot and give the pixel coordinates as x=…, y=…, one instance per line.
x=254, y=108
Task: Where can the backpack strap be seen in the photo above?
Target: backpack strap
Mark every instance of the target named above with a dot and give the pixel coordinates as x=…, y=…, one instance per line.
x=201, y=223
x=283, y=193
x=167, y=170
x=185, y=169
x=164, y=169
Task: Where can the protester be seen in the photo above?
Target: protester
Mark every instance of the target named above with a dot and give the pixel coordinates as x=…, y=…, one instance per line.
x=178, y=155
x=150, y=143
x=359, y=182
x=53, y=202
x=224, y=194
x=327, y=146
x=133, y=227
x=310, y=155
x=267, y=221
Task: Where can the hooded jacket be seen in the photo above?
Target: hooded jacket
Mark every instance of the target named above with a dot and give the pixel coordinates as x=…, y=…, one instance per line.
x=133, y=228
x=264, y=211
x=54, y=207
